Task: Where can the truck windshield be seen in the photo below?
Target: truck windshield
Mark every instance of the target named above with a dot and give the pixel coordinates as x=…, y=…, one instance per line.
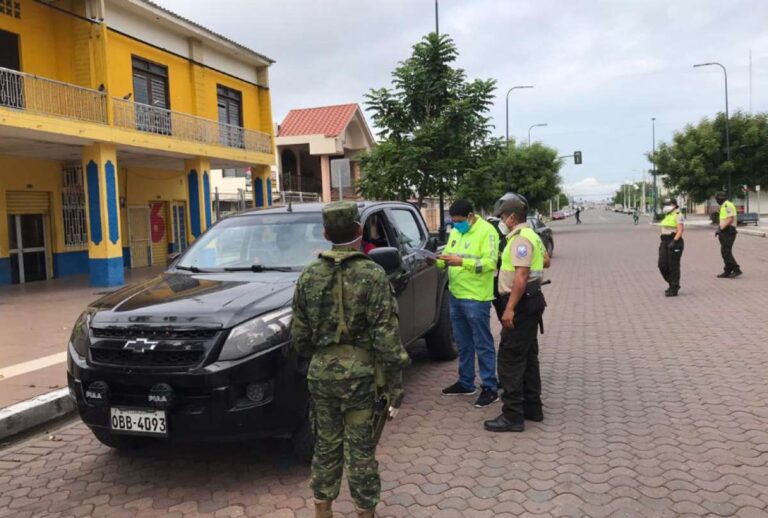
x=271, y=240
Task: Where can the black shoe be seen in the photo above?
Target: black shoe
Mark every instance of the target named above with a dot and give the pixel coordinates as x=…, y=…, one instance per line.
x=735, y=273
x=502, y=424
x=457, y=389
x=672, y=292
x=666, y=292
x=486, y=398
x=724, y=275
x=536, y=417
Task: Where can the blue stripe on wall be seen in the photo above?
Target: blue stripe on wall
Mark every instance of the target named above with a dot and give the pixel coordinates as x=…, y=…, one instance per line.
x=111, y=181
x=94, y=212
x=194, y=202
x=5, y=270
x=258, y=188
x=70, y=263
x=126, y=257
x=269, y=191
x=107, y=272
x=207, y=199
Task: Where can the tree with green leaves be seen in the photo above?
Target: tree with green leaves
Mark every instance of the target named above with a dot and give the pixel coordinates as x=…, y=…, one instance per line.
x=432, y=125
x=532, y=171
x=695, y=162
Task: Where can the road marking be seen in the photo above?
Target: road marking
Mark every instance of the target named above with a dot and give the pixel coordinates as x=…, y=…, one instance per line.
x=32, y=365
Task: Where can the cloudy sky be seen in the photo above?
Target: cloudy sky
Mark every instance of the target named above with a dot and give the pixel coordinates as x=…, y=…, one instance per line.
x=600, y=68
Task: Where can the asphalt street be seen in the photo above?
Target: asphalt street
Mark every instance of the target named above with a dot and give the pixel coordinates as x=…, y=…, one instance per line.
x=654, y=406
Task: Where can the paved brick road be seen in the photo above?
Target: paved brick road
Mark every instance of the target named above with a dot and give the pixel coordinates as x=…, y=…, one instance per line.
x=654, y=406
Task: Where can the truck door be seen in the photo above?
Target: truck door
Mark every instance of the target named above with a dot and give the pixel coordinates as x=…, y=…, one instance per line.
x=377, y=233
x=411, y=237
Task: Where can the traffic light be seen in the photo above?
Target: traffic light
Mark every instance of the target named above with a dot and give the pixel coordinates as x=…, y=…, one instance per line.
x=577, y=157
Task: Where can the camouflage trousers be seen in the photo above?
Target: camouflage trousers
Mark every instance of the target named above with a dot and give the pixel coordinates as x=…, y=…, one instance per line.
x=342, y=412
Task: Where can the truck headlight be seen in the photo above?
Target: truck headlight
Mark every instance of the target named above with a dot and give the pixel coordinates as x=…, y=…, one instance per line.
x=258, y=334
x=79, y=337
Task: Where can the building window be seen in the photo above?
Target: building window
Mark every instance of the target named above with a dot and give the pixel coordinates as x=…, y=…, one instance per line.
x=11, y=8
x=230, y=104
x=150, y=92
x=73, y=207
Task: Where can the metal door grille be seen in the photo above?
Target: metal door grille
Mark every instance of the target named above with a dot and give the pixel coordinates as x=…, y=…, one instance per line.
x=73, y=207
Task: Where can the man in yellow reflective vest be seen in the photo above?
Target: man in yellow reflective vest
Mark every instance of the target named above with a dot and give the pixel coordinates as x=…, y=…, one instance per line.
x=470, y=256
x=727, y=235
x=522, y=269
x=671, y=247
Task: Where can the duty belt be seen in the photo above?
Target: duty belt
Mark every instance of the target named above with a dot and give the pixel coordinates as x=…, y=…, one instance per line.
x=349, y=351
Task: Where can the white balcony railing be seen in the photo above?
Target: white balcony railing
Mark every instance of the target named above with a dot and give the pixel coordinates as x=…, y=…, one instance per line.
x=150, y=119
x=44, y=96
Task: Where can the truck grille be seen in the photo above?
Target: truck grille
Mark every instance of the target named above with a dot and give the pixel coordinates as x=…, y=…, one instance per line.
x=155, y=358
x=129, y=333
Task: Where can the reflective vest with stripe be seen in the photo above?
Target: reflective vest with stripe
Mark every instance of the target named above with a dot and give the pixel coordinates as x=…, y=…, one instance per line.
x=537, y=261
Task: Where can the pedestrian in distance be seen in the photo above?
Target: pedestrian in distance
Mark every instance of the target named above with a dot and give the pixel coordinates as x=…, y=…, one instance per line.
x=523, y=262
x=578, y=215
x=636, y=215
x=470, y=257
x=345, y=320
x=726, y=233
x=671, y=246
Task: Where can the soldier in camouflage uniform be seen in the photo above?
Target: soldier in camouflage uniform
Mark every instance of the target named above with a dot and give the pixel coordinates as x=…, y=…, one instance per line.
x=345, y=318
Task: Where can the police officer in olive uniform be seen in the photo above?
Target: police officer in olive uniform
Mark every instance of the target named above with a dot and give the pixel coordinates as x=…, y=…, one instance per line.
x=522, y=270
x=345, y=319
x=671, y=247
x=727, y=235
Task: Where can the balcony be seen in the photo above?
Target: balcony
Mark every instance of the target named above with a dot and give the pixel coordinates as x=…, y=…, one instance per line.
x=42, y=96
x=159, y=121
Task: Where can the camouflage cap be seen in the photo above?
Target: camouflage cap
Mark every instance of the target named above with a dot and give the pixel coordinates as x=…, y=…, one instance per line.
x=340, y=215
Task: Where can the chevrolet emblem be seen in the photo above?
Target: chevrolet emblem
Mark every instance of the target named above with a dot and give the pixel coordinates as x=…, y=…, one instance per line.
x=140, y=345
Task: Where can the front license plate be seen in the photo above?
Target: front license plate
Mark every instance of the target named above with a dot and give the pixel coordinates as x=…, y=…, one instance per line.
x=138, y=421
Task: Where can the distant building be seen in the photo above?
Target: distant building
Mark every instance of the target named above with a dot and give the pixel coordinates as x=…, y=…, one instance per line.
x=308, y=139
x=112, y=115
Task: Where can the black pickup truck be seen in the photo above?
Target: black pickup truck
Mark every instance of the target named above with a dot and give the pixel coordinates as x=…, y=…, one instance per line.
x=203, y=351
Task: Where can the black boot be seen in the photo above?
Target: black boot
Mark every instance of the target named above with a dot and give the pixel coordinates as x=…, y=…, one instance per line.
x=736, y=273
x=672, y=292
x=502, y=424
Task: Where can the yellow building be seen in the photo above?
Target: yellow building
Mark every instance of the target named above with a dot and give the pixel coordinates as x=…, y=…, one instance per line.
x=112, y=114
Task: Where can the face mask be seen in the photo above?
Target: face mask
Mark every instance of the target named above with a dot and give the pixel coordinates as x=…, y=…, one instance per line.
x=462, y=226
x=668, y=208
x=503, y=228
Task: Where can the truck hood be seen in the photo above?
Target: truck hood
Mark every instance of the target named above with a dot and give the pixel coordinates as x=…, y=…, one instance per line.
x=220, y=300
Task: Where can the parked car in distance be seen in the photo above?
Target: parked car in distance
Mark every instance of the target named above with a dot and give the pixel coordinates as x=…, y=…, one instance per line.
x=558, y=215
x=203, y=351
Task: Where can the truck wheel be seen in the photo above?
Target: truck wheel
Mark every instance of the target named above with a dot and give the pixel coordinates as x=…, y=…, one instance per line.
x=440, y=344
x=303, y=442
x=119, y=442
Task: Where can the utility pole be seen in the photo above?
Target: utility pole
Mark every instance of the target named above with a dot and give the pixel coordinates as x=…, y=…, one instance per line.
x=437, y=19
x=653, y=162
x=727, y=120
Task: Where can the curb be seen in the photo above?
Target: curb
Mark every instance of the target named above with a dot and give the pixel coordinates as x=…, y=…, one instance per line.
x=33, y=412
x=758, y=233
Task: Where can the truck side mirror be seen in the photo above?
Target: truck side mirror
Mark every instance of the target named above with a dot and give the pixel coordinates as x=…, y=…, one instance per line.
x=172, y=258
x=388, y=258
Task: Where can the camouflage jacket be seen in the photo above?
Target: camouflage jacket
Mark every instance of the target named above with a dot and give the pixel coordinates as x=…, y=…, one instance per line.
x=363, y=314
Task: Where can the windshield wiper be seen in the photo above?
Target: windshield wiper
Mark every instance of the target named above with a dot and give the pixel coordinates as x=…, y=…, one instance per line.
x=193, y=269
x=257, y=268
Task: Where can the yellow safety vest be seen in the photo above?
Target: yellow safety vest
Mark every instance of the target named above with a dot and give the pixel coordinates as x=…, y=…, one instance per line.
x=537, y=261
x=670, y=220
x=723, y=210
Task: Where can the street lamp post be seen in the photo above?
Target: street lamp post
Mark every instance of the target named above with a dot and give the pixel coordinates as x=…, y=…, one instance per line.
x=507, y=111
x=727, y=119
x=540, y=125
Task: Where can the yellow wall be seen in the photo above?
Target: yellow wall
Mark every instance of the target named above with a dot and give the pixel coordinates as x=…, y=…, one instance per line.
x=41, y=27
x=184, y=78
x=142, y=186
x=23, y=174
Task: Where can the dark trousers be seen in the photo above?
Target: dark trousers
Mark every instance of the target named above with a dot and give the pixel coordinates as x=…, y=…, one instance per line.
x=519, y=368
x=669, y=260
x=727, y=237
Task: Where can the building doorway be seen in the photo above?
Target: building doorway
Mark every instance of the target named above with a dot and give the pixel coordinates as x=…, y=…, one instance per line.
x=29, y=247
x=11, y=88
x=139, y=236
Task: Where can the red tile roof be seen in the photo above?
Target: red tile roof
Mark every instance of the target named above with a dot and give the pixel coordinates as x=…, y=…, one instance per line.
x=330, y=121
